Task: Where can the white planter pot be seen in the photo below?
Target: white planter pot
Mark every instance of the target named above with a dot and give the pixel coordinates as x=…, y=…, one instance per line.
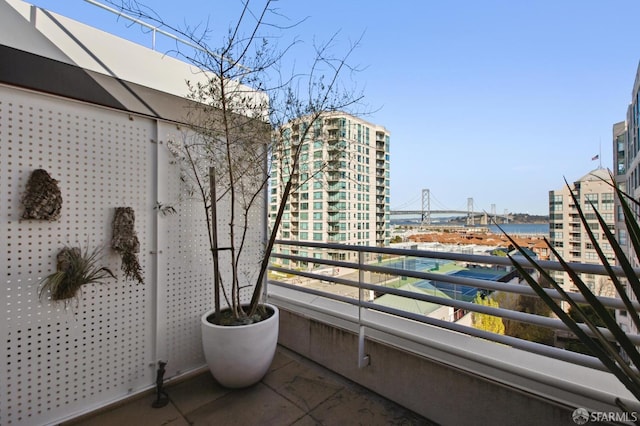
x=239, y=356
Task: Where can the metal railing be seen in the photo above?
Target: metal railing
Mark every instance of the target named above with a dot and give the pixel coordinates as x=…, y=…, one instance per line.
x=155, y=30
x=382, y=265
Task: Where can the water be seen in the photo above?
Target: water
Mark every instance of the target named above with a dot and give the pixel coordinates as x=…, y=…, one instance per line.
x=521, y=228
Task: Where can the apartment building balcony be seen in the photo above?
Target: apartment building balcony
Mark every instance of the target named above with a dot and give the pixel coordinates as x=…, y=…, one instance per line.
x=333, y=176
x=332, y=123
x=395, y=352
x=333, y=135
x=345, y=357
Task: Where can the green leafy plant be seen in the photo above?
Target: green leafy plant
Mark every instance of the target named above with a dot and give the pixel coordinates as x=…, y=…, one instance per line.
x=74, y=269
x=616, y=352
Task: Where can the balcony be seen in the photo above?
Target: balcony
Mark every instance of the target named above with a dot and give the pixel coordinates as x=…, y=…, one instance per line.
x=394, y=349
x=333, y=176
x=389, y=364
x=294, y=391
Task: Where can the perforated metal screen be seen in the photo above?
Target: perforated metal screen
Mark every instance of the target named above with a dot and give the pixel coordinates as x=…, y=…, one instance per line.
x=58, y=362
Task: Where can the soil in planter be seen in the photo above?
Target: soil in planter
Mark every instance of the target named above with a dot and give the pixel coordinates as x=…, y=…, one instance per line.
x=227, y=318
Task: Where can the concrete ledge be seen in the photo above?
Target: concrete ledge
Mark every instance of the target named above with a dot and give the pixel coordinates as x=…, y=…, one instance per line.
x=494, y=384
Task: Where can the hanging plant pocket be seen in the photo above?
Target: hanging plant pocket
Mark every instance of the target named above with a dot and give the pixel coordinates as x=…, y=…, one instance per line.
x=125, y=242
x=43, y=198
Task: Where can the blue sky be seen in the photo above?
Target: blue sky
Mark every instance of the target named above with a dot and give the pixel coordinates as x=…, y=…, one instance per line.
x=498, y=100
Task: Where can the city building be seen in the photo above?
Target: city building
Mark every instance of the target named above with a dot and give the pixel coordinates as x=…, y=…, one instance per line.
x=569, y=237
x=626, y=160
x=343, y=184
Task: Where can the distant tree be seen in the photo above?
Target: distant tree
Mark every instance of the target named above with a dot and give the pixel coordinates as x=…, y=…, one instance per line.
x=576, y=345
x=499, y=252
x=531, y=332
x=396, y=239
x=486, y=322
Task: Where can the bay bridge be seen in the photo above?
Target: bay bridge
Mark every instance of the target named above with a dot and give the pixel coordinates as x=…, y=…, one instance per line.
x=426, y=213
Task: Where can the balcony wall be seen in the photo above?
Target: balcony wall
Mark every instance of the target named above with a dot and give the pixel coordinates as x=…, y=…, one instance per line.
x=438, y=380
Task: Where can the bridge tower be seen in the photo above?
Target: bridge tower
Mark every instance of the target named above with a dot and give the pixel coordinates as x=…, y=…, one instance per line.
x=470, y=215
x=426, y=207
x=493, y=213
x=506, y=215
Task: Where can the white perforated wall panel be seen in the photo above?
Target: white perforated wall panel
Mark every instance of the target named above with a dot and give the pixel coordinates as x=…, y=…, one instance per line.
x=59, y=361
x=186, y=283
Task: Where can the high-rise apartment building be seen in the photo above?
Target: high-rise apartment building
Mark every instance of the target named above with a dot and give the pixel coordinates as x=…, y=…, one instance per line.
x=626, y=160
x=569, y=237
x=341, y=185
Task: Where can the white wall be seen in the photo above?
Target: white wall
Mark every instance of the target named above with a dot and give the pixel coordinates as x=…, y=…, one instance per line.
x=60, y=362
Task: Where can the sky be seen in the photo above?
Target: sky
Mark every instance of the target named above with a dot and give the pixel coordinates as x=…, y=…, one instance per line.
x=495, y=100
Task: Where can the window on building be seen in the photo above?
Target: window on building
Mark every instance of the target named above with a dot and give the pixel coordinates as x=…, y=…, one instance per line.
x=622, y=237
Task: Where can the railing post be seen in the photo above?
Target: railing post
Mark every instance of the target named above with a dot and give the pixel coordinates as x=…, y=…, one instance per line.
x=363, y=359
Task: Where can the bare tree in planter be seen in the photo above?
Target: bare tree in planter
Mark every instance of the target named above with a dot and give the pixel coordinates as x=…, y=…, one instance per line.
x=236, y=123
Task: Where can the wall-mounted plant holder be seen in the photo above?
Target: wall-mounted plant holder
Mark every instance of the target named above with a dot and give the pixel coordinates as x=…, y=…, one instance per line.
x=43, y=198
x=125, y=242
x=74, y=269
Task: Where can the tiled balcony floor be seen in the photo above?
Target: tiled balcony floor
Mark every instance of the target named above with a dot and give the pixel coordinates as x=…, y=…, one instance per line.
x=296, y=391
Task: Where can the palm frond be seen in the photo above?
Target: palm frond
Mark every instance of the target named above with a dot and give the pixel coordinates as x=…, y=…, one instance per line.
x=605, y=348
